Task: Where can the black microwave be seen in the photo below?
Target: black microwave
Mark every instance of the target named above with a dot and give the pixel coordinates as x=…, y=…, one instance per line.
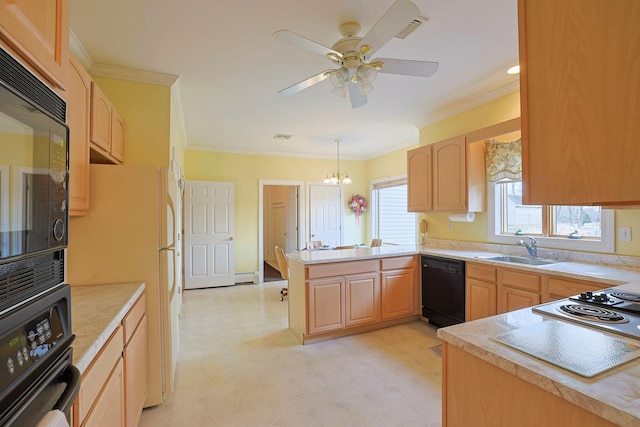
x=34, y=165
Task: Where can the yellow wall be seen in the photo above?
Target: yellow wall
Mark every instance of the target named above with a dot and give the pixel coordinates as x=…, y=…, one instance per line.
x=247, y=170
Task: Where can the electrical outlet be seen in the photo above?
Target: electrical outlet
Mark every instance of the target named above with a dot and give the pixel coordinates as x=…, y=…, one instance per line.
x=450, y=226
x=624, y=234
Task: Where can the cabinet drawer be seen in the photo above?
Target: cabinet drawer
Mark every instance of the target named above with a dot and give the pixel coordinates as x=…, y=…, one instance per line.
x=482, y=272
x=560, y=287
x=98, y=373
x=398, y=263
x=341, y=269
x=517, y=279
x=132, y=318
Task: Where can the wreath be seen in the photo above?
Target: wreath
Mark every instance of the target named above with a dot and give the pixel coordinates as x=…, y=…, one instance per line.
x=358, y=205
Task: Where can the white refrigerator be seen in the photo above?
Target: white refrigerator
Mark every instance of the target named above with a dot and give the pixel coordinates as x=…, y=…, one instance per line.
x=131, y=235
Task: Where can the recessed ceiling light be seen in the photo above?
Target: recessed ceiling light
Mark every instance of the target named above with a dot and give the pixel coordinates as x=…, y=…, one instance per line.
x=514, y=70
x=282, y=136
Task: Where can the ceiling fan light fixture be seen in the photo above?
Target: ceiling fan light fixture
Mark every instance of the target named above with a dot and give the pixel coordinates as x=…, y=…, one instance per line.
x=338, y=77
x=365, y=88
x=367, y=73
x=340, y=91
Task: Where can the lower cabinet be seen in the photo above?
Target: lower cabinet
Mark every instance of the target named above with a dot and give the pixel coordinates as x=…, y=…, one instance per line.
x=114, y=386
x=345, y=295
x=491, y=290
x=108, y=409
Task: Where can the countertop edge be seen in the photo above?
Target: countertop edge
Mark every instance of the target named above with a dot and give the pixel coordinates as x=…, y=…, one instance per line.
x=88, y=343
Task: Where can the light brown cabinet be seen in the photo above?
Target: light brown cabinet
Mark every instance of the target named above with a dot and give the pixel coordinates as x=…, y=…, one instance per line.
x=106, y=129
x=341, y=298
x=78, y=108
x=477, y=393
x=420, y=187
x=39, y=31
x=114, y=386
x=135, y=362
x=517, y=289
x=580, y=101
x=326, y=305
x=555, y=288
x=447, y=176
x=480, y=291
x=362, y=299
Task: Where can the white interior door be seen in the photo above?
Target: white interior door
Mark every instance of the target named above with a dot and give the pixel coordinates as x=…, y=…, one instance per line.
x=291, y=220
x=325, y=220
x=208, y=237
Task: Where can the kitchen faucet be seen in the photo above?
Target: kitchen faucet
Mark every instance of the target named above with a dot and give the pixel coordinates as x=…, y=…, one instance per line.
x=531, y=246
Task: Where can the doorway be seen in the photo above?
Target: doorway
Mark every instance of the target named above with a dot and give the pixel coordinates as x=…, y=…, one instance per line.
x=280, y=223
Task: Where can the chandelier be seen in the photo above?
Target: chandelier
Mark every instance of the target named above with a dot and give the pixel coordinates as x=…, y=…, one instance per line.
x=336, y=177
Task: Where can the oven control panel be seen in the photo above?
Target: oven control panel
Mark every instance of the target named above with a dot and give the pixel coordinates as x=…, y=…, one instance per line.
x=22, y=347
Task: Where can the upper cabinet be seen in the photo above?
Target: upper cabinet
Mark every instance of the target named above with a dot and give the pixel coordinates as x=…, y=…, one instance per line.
x=580, y=101
x=106, y=129
x=78, y=110
x=447, y=176
x=39, y=31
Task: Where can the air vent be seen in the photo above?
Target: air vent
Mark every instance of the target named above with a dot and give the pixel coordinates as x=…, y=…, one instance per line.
x=20, y=80
x=23, y=279
x=282, y=136
x=413, y=25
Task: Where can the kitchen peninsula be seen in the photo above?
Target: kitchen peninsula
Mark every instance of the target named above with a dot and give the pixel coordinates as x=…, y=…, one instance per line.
x=334, y=293
x=486, y=383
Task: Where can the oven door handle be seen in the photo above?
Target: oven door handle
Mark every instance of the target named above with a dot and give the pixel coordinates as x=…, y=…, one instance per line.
x=71, y=376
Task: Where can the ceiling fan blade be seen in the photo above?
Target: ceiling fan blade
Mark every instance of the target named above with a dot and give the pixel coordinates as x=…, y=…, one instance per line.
x=305, y=83
x=357, y=100
x=408, y=67
x=399, y=15
x=303, y=43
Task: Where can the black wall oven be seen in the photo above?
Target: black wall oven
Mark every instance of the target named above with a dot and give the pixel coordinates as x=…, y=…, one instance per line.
x=36, y=371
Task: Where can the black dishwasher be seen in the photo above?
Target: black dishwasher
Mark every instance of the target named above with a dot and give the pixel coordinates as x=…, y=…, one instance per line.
x=443, y=290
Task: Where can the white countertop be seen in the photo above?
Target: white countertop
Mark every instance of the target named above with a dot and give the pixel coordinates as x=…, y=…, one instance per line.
x=319, y=256
x=96, y=312
x=613, y=395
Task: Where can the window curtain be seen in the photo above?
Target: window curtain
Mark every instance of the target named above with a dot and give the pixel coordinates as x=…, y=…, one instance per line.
x=503, y=160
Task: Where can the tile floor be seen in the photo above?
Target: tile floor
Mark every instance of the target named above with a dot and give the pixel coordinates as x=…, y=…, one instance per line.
x=240, y=366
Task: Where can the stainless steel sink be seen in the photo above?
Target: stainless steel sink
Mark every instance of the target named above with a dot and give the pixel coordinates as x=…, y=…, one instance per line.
x=519, y=260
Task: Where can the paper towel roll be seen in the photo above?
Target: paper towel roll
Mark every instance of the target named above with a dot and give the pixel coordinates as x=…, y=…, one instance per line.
x=462, y=217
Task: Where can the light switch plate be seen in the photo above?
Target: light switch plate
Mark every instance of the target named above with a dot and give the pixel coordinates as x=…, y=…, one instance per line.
x=624, y=234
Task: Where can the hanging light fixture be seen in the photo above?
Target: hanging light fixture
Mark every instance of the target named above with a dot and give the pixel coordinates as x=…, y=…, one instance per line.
x=336, y=177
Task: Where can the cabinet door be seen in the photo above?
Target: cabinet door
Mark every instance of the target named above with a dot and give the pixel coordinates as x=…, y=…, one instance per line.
x=510, y=299
x=109, y=407
x=362, y=296
x=579, y=122
x=326, y=305
x=117, y=135
x=100, y=118
x=556, y=288
x=135, y=373
x=481, y=299
x=39, y=31
x=419, y=172
x=397, y=293
x=78, y=108
x=450, y=175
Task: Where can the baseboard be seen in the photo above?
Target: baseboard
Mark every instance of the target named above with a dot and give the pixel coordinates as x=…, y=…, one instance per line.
x=248, y=277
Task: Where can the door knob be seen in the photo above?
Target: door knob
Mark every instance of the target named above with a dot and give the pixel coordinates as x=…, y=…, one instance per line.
x=230, y=237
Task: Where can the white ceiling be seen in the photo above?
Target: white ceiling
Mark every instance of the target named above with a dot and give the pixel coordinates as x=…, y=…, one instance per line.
x=230, y=68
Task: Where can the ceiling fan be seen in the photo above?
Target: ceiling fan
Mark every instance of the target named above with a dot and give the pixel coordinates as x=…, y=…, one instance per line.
x=356, y=72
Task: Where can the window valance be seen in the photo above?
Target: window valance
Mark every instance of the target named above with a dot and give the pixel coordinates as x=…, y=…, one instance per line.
x=503, y=160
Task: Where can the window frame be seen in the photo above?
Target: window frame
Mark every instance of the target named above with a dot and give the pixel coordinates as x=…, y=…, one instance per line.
x=605, y=245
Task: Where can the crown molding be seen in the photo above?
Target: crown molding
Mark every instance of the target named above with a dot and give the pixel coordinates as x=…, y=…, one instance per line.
x=176, y=98
x=131, y=74
x=78, y=50
x=470, y=102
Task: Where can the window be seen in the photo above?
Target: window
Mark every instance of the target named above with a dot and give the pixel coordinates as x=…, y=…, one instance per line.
x=390, y=220
x=561, y=227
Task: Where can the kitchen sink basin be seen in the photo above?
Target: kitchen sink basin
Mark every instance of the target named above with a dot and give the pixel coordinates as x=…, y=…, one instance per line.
x=519, y=260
